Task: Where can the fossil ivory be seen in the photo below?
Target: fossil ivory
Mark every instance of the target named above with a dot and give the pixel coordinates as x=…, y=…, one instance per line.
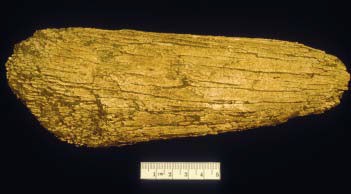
x=100, y=88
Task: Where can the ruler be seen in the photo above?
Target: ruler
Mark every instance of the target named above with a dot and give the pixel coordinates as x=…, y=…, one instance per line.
x=180, y=170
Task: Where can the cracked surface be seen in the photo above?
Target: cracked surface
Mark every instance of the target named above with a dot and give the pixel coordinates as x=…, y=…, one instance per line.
x=99, y=88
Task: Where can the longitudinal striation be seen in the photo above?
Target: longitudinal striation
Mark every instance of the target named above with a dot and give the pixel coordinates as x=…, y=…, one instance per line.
x=100, y=88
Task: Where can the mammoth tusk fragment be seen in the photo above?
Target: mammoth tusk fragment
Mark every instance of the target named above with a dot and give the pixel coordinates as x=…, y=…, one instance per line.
x=103, y=88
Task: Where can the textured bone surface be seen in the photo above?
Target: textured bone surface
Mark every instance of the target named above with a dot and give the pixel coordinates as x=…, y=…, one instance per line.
x=100, y=88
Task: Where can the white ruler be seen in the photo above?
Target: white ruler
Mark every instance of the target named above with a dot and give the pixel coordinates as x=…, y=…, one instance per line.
x=180, y=170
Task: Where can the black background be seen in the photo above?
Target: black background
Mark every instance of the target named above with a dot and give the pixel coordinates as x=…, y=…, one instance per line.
x=306, y=154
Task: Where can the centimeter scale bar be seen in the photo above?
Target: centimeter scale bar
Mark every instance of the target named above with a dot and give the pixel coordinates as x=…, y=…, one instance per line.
x=180, y=170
